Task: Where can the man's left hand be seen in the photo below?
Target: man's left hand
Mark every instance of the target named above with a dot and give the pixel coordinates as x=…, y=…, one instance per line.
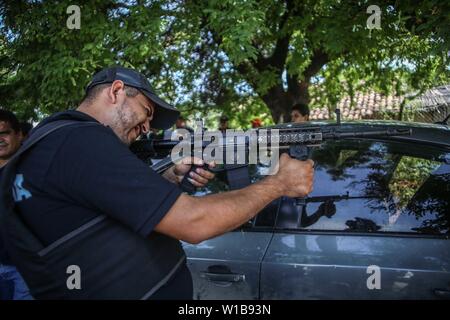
x=199, y=178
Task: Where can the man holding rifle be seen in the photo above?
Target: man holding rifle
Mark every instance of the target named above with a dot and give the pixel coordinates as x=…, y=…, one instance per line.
x=80, y=200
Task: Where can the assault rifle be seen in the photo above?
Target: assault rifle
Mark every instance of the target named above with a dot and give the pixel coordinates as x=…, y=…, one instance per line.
x=298, y=139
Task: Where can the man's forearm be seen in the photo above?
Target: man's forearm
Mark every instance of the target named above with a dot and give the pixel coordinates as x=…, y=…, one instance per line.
x=226, y=211
x=194, y=219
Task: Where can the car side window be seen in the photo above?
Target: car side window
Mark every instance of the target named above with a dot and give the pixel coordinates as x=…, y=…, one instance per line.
x=374, y=186
x=266, y=217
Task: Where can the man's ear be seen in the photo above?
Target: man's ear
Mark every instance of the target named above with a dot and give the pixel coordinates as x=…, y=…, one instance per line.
x=115, y=90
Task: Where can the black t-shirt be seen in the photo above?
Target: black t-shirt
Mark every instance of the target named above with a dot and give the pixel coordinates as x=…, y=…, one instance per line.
x=76, y=174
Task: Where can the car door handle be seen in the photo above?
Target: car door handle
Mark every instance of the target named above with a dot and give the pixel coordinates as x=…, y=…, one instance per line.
x=222, y=277
x=442, y=293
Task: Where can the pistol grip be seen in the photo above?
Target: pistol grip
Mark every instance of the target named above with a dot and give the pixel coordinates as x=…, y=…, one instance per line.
x=303, y=153
x=300, y=152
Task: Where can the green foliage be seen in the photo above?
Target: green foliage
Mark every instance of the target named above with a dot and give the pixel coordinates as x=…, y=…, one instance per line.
x=409, y=175
x=243, y=58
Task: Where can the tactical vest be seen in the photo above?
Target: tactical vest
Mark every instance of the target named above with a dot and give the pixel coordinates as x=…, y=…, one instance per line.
x=114, y=262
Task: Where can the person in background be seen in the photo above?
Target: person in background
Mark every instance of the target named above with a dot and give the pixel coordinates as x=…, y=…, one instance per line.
x=300, y=113
x=256, y=123
x=180, y=124
x=12, y=285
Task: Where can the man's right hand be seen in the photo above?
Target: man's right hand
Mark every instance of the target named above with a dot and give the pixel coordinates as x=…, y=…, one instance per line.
x=295, y=177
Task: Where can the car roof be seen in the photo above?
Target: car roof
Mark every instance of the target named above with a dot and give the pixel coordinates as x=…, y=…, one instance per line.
x=423, y=133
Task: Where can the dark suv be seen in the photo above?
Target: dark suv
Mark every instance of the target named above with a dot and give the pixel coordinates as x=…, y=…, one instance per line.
x=376, y=226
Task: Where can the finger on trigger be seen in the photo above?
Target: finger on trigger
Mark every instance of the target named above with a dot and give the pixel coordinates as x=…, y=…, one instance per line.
x=208, y=175
x=201, y=171
x=198, y=177
x=195, y=183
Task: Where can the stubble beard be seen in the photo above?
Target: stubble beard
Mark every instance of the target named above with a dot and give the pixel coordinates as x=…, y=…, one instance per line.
x=123, y=122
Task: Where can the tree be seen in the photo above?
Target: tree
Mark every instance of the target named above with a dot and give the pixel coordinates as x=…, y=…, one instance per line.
x=281, y=48
x=224, y=56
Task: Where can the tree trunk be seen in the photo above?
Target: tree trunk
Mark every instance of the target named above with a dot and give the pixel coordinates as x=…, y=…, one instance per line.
x=302, y=93
x=280, y=102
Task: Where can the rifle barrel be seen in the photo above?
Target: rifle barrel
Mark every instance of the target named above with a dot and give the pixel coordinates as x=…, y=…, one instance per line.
x=281, y=138
x=335, y=198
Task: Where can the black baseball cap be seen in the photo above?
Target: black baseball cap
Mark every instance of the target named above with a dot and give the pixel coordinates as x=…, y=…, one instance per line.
x=165, y=114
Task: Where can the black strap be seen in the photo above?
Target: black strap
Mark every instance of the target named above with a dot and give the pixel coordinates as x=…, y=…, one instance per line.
x=41, y=132
x=44, y=267
x=36, y=135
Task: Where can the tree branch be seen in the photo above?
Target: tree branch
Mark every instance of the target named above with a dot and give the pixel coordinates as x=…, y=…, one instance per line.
x=299, y=90
x=318, y=60
x=278, y=58
x=293, y=84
